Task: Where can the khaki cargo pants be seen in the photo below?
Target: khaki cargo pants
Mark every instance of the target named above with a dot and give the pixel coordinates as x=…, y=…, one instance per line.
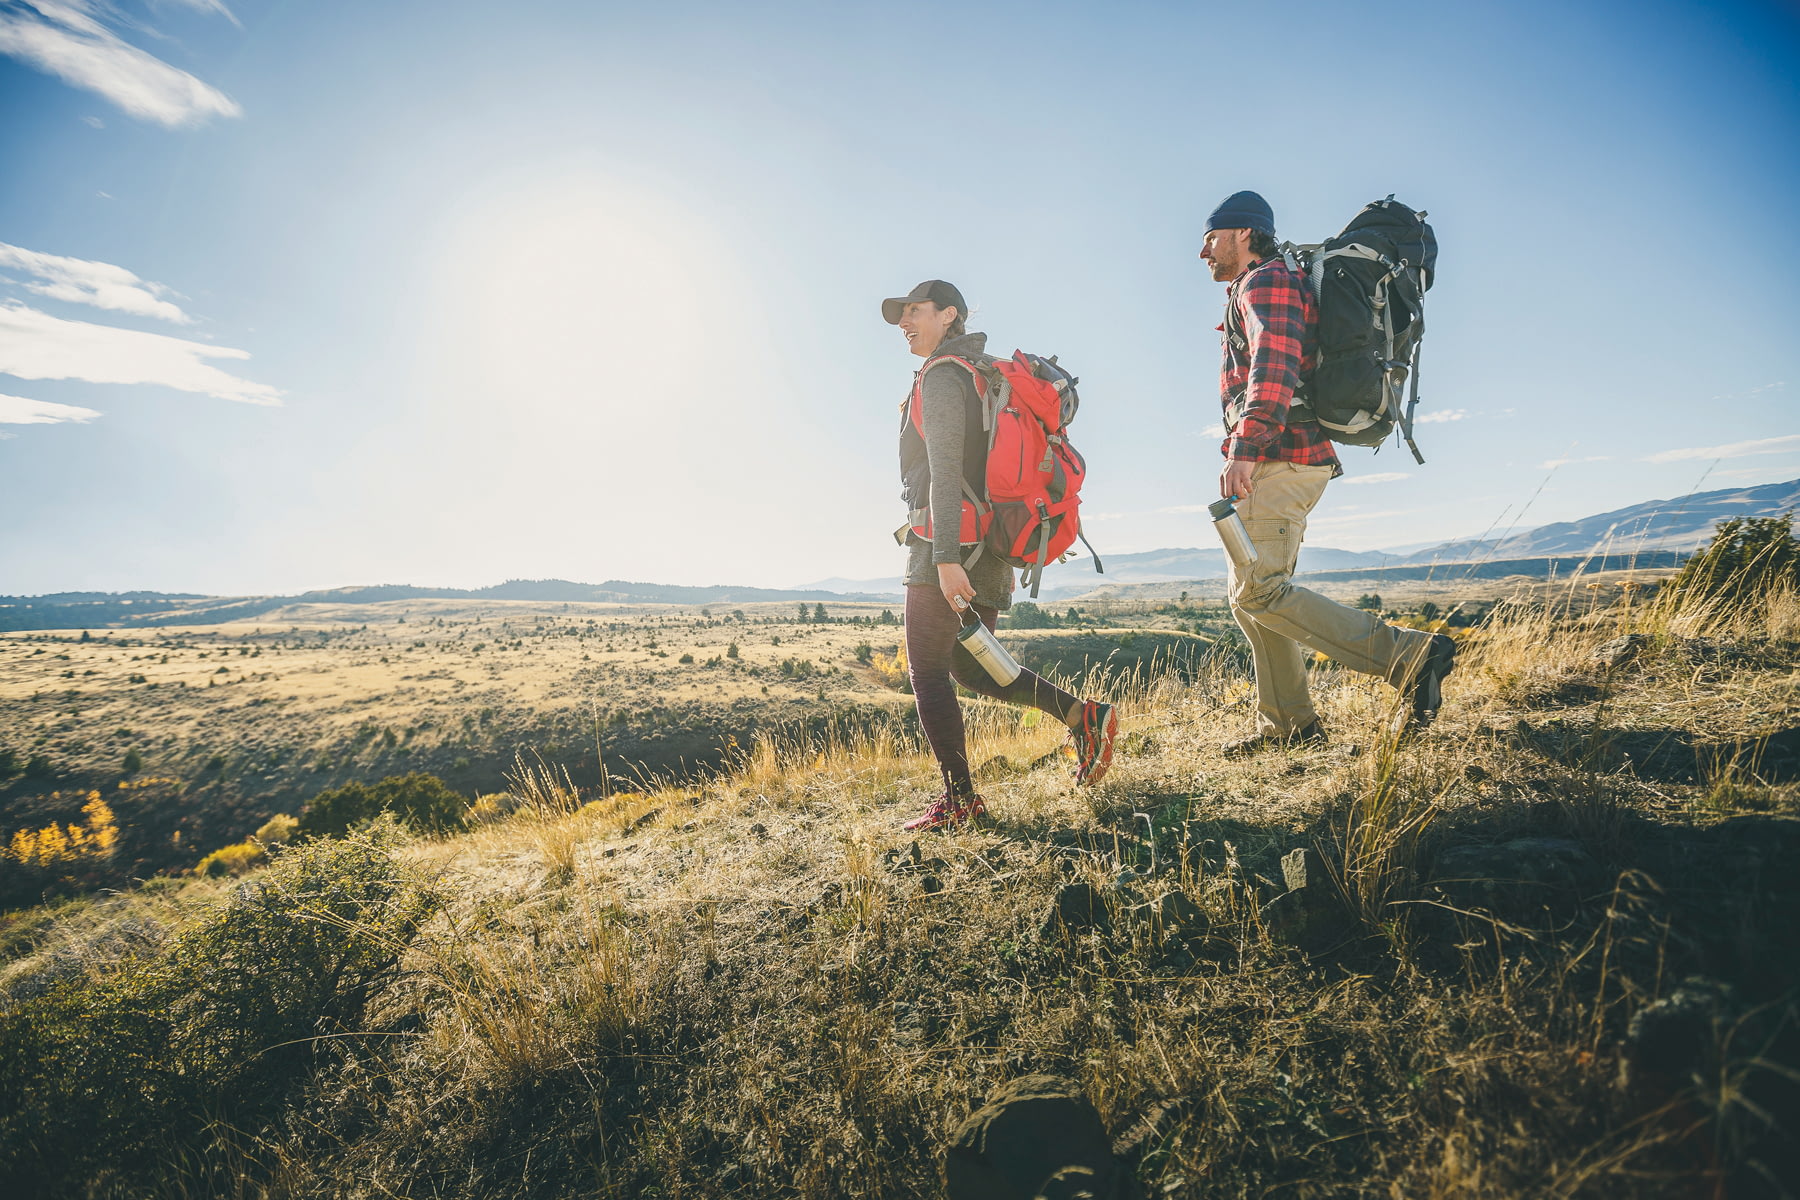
x=1279, y=618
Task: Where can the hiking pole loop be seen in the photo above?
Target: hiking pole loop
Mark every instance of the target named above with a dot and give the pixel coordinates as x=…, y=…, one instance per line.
x=1406, y=421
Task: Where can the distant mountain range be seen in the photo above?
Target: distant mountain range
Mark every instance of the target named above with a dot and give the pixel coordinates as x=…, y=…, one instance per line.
x=1656, y=531
x=1684, y=524
x=95, y=610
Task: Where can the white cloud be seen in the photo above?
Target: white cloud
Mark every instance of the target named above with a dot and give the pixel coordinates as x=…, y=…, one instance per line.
x=1774, y=445
x=17, y=410
x=102, y=285
x=36, y=345
x=1381, y=477
x=1755, y=391
x=212, y=6
x=1434, y=417
x=1217, y=431
x=64, y=38
x=1550, y=464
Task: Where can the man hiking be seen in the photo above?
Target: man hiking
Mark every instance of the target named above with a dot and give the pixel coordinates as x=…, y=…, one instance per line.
x=1277, y=464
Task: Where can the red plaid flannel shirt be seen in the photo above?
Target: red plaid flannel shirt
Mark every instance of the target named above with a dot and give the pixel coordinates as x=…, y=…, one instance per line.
x=1280, y=324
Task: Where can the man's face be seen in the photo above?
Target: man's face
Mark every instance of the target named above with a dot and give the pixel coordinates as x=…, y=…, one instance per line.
x=1227, y=252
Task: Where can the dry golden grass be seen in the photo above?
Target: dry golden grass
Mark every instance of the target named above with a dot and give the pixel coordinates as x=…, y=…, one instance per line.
x=754, y=986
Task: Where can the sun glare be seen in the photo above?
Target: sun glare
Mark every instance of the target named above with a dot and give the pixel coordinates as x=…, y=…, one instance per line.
x=584, y=303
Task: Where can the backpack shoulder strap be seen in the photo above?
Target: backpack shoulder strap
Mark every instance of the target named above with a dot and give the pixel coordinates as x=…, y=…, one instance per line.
x=991, y=388
x=976, y=369
x=1234, y=322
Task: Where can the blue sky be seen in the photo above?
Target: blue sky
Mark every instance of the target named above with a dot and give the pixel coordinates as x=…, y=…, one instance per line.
x=313, y=294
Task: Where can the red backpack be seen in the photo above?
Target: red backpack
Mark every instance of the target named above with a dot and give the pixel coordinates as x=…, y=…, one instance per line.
x=1029, y=509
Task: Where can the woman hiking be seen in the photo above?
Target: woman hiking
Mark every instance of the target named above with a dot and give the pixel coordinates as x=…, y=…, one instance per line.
x=942, y=444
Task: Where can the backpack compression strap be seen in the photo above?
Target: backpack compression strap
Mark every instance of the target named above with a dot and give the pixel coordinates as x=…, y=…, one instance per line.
x=977, y=499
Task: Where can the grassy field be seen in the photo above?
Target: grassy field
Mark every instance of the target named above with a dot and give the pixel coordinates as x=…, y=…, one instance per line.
x=1547, y=949
x=211, y=730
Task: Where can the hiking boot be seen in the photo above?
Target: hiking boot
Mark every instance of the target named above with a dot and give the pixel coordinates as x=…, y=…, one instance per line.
x=1094, y=734
x=1425, y=691
x=946, y=811
x=1307, y=737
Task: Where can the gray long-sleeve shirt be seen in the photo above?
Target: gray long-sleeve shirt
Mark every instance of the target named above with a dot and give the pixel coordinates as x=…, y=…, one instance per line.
x=944, y=398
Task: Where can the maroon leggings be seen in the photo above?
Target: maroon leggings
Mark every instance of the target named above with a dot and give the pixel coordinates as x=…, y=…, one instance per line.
x=934, y=657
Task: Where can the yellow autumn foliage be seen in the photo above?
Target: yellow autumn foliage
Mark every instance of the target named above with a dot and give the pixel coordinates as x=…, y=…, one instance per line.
x=234, y=859
x=891, y=668
x=55, y=845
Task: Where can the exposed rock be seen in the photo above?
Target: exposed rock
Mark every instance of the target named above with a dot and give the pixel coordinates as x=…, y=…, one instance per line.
x=1673, y=1039
x=1175, y=916
x=1309, y=914
x=1024, y=1141
x=1619, y=651
x=1301, y=867
x=1077, y=908
x=1525, y=875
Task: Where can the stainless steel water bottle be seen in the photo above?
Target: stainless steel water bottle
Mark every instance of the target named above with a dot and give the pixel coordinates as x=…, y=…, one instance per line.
x=1232, y=532
x=980, y=641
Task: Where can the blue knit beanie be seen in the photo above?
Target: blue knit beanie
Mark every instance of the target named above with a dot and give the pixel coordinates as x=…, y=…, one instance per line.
x=1243, y=210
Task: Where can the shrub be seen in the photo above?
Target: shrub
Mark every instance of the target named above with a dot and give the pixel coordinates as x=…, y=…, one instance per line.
x=236, y=859
x=1026, y=615
x=864, y=652
x=421, y=802
x=134, y=762
x=112, y=1080
x=731, y=651
x=10, y=764
x=892, y=669
x=491, y=807
x=1747, y=558
x=278, y=830
x=59, y=847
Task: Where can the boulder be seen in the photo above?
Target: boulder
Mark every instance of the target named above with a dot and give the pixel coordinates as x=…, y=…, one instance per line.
x=1619, y=651
x=1525, y=875
x=1078, y=908
x=1677, y=1038
x=1309, y=914
x=1173, y=915
x=1038, y=1136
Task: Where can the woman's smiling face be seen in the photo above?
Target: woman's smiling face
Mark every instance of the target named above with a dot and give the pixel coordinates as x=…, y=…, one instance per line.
x=924, y=325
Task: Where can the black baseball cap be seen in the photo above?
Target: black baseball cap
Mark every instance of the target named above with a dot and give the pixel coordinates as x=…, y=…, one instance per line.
x=942, y=294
